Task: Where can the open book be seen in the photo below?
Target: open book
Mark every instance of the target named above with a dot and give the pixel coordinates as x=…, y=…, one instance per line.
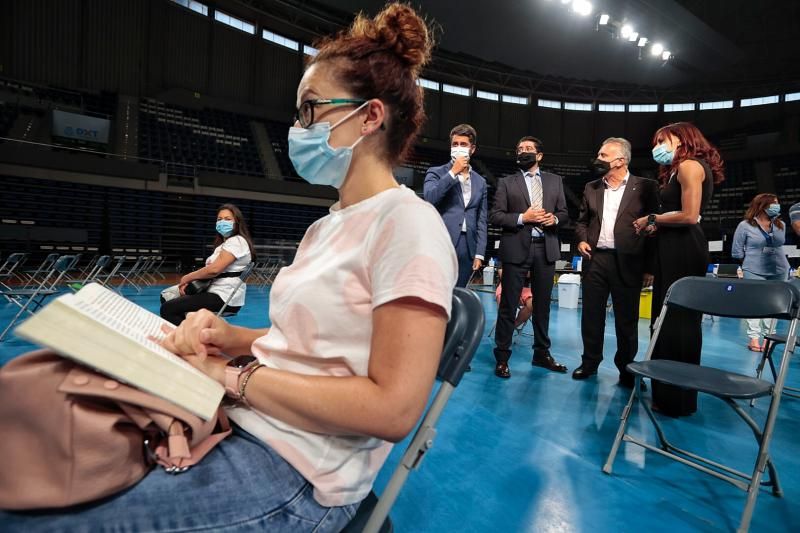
x=101, y=329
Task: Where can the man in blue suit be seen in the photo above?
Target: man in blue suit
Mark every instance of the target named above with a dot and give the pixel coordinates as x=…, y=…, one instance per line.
x=459, y=193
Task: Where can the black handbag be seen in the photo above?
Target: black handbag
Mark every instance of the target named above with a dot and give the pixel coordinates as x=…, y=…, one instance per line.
x=197, y=286
x=201, y=285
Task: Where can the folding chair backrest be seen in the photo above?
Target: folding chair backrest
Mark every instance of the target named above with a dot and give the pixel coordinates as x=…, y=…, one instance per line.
x=464, y=330
x=43, y=268
x=462, y=337
x=12, y=262
x=48, y=261
x=103, y=262
x=64, y=263
x=738, y=298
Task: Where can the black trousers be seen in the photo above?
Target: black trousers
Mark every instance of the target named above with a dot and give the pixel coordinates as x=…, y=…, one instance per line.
x=513, y=279
x=601, y=279
x=175, y=310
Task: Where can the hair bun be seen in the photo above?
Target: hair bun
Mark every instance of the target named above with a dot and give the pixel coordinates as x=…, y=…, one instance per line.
x=401, y=30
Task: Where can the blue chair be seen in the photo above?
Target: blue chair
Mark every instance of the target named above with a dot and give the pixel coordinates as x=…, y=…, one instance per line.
x=738, y=298
x=463, y=335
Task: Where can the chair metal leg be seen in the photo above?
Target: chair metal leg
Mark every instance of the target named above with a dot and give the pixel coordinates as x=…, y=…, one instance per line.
x=16, y=317
x=623, y=422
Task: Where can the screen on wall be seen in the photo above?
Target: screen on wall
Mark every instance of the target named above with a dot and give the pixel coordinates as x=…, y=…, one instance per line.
x=80, y=127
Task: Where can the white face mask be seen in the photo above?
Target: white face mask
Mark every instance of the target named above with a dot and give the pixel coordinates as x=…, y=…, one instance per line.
x=315, y=159
x=459, y=151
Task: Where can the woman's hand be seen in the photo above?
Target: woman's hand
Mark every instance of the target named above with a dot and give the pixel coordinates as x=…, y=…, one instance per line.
x=182, y=289
x=202, y=333
x=639, y=224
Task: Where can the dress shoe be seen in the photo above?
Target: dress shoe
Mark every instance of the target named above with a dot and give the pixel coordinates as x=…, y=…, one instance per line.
x=501, y=370
x=627, y=381
x=584, y=371
x=547, y=361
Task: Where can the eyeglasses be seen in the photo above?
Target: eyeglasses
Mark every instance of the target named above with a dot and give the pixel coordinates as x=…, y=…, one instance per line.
x=305, y=113
x=526, y=150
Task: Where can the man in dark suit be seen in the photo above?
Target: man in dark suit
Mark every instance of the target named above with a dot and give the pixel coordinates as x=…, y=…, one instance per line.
x=528, y=205
x=459, y=193
x=616, y=259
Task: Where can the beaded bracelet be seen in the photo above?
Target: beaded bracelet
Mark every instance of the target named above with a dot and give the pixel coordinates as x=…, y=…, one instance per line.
x=244, y=380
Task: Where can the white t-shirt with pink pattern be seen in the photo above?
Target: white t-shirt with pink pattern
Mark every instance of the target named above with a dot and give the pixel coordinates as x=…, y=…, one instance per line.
x=389, y=246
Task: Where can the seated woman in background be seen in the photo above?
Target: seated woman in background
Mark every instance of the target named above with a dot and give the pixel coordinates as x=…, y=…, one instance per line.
x=233, y=251
x=525, y=302
x=358, y=319
x=758, y=241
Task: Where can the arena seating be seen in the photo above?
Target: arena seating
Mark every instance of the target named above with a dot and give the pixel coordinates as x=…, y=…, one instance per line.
x=278, y=137
x=208, y=138
x=8, y=114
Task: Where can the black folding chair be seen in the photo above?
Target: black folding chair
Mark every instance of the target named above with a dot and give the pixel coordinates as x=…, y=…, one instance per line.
x=464, y=331
x=31, y=299
x=11, y=269
x=738, y=298
x=772, y=341
x=242, y=280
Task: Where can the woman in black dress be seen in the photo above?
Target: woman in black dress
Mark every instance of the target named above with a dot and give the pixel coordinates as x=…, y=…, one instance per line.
x=690, y=167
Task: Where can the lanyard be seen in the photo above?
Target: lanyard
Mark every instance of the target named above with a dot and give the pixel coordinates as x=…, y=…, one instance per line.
x=767, y=236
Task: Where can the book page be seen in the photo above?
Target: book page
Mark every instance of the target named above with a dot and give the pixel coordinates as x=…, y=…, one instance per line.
x=120, y=314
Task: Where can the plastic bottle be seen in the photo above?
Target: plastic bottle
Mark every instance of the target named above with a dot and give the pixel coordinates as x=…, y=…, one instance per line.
x=488, y=273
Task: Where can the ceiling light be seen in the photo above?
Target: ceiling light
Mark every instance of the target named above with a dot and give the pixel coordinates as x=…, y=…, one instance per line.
x=656, y=49
x=582, y=7
x=626, y=31
x=633, y=37
x=604, y=19
x=666, y=55
x=566, y=1
x=642, y=42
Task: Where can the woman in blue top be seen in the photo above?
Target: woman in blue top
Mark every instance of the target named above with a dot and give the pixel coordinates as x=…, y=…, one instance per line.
x=758, y=240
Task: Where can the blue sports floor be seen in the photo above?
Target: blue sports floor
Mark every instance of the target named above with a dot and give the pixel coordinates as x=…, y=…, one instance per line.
x=525, y=454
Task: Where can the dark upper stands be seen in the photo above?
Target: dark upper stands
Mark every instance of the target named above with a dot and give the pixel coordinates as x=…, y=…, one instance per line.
x=278, y=137
x=8, y=114
x=209, y=138
x=43, y=98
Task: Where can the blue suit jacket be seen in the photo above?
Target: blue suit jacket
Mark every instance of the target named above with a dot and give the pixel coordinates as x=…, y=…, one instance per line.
x=445, y=194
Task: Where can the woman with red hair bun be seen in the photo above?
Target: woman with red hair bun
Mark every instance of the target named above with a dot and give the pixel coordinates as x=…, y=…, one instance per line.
x=357, y=320
x=690, y=168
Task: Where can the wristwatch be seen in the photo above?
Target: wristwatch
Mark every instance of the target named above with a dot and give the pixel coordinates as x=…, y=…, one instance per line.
x=651, y=220
x=234, y=370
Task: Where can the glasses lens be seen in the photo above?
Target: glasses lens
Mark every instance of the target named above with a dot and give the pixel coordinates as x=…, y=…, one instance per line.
x=306, y=116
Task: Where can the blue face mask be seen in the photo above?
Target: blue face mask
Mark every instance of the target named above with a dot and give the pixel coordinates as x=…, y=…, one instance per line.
x=773, y=210
x=224, y=227
x=663, y=155
x=314, y=159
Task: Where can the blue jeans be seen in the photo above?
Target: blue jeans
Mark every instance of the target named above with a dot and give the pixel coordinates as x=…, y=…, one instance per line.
x=758, y=327
x=241, y=485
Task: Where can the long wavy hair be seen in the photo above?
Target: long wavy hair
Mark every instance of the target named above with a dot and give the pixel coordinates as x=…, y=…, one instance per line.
x=694, y=145
x=239, y=228
x=759, y=204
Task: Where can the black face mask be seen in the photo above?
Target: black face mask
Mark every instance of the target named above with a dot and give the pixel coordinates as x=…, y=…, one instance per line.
x=598, y=167
x=526, y=160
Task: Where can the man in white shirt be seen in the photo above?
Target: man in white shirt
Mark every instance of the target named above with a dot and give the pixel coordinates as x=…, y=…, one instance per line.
x=616, y=261
x=459, y=194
